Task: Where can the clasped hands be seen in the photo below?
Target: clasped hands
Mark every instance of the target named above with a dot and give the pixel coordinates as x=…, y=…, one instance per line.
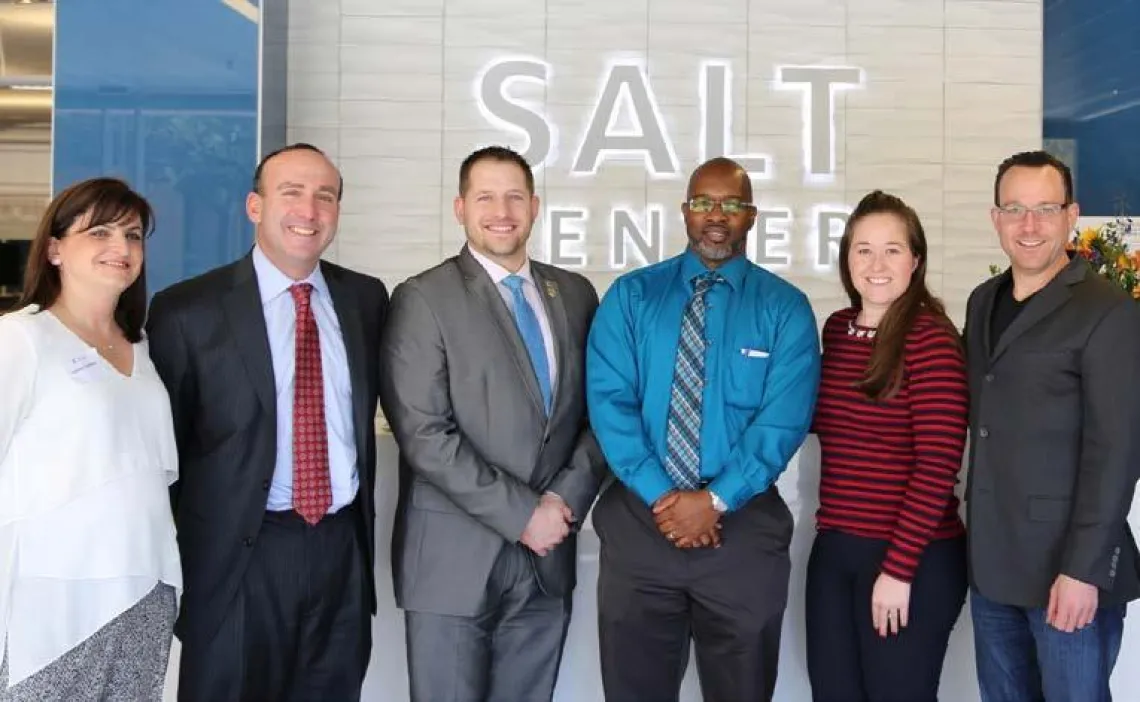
x=549, y=525
x=688, y=519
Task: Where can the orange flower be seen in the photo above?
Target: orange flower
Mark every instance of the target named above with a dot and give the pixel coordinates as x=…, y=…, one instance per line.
x=1123, y=262
x=1086, y=239
x=1136, y=292
x=1136, y=259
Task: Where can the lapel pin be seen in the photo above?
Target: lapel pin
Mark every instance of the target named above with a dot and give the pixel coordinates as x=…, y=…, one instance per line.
x=551, y=288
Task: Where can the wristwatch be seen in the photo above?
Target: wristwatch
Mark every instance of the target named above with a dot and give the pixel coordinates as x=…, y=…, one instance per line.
x=718, y=504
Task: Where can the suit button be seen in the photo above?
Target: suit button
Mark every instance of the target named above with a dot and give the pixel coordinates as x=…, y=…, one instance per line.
x=983, y=432
x=247, y=541
x=989, y=377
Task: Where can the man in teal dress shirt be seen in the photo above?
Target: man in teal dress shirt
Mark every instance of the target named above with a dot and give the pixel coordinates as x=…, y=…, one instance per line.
x=702, y=373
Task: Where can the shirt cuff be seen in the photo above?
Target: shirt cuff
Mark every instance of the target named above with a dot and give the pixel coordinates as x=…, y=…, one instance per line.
x=731, y=488
x=897, y=571
x=651, y=485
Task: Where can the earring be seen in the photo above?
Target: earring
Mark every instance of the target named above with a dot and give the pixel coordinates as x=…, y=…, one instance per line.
x=55, y=261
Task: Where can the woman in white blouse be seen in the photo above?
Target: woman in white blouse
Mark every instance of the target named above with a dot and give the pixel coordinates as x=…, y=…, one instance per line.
x=89, y=569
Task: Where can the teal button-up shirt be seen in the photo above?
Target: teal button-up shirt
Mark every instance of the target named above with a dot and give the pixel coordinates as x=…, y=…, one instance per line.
x=761, y=375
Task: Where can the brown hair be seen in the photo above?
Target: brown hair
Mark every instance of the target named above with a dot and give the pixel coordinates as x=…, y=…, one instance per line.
x=1035, y=159
x=108, y=200
x=884, y=374
x=502, y=154
x=299, y=146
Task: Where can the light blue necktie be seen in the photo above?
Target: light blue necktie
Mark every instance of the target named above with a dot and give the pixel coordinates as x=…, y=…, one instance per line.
x=683, y=433
x=531, y=333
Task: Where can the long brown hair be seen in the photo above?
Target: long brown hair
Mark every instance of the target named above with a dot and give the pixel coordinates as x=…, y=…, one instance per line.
x=884, y=374
x=108, y=200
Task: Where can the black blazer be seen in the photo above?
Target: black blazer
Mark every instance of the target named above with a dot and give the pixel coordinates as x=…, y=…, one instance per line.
x=209, y=342
x=1055, y=440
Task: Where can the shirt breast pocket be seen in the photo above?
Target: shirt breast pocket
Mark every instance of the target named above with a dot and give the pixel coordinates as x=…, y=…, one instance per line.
x=747, y=372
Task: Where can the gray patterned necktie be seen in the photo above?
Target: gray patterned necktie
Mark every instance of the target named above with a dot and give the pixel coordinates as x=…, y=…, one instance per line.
x=683, y=433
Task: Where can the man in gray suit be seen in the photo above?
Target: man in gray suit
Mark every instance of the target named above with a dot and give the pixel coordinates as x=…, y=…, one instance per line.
x=483, y=384
x=1054, y=363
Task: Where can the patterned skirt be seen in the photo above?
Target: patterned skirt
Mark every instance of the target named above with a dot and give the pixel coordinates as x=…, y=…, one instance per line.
x=125, y=661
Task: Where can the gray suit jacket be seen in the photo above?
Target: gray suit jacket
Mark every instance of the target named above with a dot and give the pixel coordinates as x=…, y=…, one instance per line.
x=476, y=449
x=1055, y=440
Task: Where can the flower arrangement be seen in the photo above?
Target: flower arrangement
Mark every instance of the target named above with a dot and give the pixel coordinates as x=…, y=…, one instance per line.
x=1106, y=249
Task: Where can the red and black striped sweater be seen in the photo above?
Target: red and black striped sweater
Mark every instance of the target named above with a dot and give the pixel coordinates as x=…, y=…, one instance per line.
x=888, y=469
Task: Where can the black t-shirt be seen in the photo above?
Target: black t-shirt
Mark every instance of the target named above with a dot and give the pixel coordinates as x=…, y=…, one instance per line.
x=1006, y=309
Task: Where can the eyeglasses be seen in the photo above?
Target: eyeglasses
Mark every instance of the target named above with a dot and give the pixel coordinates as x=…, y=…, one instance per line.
x=1040, y=211
x=730, y=206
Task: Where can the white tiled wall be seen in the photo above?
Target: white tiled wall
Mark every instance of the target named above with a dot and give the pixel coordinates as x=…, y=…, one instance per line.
x=951, y=87
x=387, y=88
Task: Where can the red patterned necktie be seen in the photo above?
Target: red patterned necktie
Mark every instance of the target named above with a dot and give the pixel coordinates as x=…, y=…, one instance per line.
x=312, y=491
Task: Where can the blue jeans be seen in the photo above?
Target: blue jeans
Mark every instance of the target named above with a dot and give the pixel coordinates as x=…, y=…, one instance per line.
x=1021, y=658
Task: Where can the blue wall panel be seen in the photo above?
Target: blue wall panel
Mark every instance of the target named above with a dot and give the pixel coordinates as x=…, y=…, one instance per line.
x=163, y=93
x=1092, y=99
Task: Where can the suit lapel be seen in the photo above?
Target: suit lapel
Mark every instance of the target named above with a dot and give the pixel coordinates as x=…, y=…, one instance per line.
x=1044, y=303
x=483, y=288
x=242, y=308
x=348, y=315
x=982, y=326
x=555, y=306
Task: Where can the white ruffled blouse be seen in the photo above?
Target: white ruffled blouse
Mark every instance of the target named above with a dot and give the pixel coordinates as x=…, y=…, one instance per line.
x=86, y=458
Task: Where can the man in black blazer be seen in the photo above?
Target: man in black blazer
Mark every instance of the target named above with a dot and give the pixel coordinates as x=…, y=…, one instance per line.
x=271, y=363
x=1054, y=363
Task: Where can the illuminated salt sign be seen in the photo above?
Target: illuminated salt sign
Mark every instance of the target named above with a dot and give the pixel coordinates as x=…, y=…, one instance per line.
x=626, y=91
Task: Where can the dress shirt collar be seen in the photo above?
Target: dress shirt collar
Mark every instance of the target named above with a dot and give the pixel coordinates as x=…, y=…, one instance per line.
x=497, y=272
x=272, y=282
x=732, y=270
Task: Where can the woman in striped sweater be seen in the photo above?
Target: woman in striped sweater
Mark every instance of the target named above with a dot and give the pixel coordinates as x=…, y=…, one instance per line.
x=886, y=579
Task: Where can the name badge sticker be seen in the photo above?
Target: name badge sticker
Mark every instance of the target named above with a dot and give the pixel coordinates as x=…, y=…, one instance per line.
x=86, y=368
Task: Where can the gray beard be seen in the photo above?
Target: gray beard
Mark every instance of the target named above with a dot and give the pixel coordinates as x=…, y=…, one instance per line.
x=716, y=252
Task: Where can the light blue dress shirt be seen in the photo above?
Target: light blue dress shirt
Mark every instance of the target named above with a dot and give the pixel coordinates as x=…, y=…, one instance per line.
x=280, y=323
x=761, y=375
